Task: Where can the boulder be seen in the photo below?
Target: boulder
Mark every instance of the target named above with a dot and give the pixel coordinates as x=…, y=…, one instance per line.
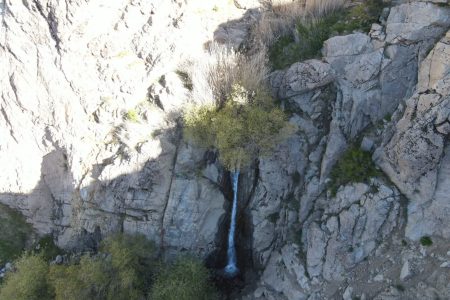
x=417, y=21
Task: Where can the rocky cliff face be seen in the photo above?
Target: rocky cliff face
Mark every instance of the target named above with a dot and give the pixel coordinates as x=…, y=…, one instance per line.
x=91, y=143
x=89, y=134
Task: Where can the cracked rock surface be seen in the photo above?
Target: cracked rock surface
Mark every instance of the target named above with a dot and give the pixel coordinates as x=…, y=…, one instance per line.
x=89, y=137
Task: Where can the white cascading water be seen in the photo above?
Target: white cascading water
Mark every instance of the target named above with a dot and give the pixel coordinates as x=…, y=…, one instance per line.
x=231, y=268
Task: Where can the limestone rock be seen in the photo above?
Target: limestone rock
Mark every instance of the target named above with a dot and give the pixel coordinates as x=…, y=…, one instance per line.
x=434, y=73
x=285, y=274
x=412, y=22
x=347, y=293
x=272, y=191
x=305, y=76
x=416, y=157
x=349, y=228
x=89, y=101
x=367, y=144
x=91, y=143
x=405, y=273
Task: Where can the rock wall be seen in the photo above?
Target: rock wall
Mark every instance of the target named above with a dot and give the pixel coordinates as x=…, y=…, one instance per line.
x=89, y=130
x=416, y=155
x=322, y=246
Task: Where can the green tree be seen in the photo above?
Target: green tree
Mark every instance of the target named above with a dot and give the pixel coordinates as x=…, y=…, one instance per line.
x=246, y=126
x=87, y=280
x=13, y=234
x=186, y=279
x=132, y=260
x=28, y=281
x=123, y=270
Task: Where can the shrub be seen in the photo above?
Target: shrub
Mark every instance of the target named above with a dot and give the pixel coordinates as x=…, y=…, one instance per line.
x=400, y=287
x=186, y=279
x=124, y=270
x=280, y=19
x=246, y=126
x=13, y=234
x=132, y=260
x=215, y=75
x=29, y=281
x=355, y=165
x=132, y=115
x=88, y=279
x=359, y=17
x=321, y=8
x=312, y=32
x=296, y=177
x=48, y=248
x=426, y=241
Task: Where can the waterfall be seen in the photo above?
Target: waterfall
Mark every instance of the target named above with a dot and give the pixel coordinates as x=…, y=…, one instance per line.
x=231, y=268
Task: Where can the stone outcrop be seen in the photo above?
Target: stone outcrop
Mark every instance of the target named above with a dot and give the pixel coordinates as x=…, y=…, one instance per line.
x=374, y=74
x=416, y=156
x=361, y=82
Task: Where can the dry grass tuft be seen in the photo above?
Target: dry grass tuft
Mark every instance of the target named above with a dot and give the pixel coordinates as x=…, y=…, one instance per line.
x=280, y=17
x=318, y=8
x=214, y=76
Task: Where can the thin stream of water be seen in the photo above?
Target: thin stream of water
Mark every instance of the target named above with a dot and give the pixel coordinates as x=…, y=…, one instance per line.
x=231, y=268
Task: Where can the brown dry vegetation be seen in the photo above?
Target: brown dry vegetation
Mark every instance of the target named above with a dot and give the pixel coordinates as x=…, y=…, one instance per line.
x=280, y=17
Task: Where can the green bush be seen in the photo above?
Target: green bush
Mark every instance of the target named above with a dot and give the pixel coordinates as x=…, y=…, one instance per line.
x=28, y=282
x=89, y=279
x=13, y=234
x=358, y=18
x=187, y=279
x=132, y=115
x=124, y=270
x=132, y=259
x=355, y=165
x=248, y=125
x=426, y=241
x=48, y=248
x=123, y=274
x=313, y=33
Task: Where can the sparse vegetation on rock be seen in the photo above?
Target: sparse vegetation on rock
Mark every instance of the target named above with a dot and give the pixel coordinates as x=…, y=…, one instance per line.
x=307, y=38
x=132, y=115
x=426, y=241
x=355, y=165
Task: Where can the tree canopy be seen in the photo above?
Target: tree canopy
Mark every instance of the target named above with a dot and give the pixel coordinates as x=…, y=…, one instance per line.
x=186, y=279
x=127, y=268
x=247, y=125
x=29, y=282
